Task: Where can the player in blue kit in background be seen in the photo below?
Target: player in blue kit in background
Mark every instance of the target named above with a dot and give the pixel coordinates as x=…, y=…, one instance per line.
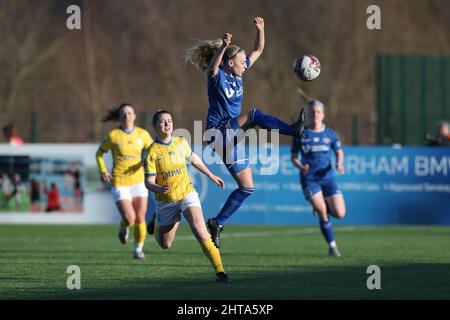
x=316, y=171
x=225, y=65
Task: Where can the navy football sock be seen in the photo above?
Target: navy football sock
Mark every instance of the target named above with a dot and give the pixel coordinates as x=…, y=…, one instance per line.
x=233, y=203
x=327, y=230
x=267, y=121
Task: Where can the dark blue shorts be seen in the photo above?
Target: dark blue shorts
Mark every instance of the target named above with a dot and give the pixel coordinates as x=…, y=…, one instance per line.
x=327, y=186
x=234, y=154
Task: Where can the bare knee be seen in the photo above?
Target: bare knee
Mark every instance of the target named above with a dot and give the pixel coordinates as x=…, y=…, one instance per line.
x=339, y=213
x=337, y=207
x=129, y=220
x=246, y=120
x=139, y=220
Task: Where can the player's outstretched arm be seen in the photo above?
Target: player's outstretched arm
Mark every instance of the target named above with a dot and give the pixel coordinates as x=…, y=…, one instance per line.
x=259, y=41
x=105, y=174
x=303, y=168
x=200, y=166
x=217, y=58
x=340, y=161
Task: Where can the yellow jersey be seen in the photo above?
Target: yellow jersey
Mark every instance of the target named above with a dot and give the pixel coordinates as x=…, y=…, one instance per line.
x=128, y=151
x=167, y=161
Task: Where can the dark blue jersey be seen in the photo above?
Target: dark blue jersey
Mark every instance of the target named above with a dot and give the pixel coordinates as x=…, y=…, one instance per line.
x=314, y=148
x=224, y=96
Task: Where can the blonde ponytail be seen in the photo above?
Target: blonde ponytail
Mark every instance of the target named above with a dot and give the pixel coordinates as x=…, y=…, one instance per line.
x=303, y=95
x=201, y=53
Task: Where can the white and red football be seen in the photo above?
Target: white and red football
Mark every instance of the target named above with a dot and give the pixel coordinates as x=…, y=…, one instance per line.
x=307, y=67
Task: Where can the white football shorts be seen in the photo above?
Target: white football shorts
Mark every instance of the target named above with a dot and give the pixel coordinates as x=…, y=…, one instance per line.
x=129, y=192
x=170, y=212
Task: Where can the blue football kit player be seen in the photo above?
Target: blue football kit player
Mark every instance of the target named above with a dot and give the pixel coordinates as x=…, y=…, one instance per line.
x=316, y=171
x=225, y=65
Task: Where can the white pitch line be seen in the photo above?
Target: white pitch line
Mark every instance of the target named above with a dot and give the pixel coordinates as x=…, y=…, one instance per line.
x=261, y=234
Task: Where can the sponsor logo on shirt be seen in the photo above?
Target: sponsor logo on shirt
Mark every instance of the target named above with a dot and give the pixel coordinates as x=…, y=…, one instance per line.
x=306, y=148
x=172, y=173
x=318, y=148
x=125, y=158
x=233, y=90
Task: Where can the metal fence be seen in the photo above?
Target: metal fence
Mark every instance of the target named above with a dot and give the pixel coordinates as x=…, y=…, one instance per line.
x=412, y=96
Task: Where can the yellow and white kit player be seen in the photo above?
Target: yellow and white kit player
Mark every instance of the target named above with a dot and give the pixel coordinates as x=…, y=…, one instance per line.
x=129, y=145
x=167, y=177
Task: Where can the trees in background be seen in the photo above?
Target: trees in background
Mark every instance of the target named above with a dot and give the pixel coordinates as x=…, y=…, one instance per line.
x=132, y=51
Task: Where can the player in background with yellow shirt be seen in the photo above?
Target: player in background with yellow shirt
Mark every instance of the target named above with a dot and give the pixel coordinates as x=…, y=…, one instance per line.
x=166, y=175
x=129, y=145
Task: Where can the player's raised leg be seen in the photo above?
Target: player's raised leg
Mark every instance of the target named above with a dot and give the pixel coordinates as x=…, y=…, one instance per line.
x=267, y=121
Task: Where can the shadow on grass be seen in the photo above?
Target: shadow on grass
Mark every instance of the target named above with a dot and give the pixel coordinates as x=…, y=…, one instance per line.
x=399, y=281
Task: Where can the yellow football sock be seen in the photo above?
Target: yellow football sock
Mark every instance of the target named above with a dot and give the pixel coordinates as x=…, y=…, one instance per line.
x=213, y=255
x=140, y=232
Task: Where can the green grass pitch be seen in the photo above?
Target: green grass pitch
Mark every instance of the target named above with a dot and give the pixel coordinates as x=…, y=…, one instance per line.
x=264, y=262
